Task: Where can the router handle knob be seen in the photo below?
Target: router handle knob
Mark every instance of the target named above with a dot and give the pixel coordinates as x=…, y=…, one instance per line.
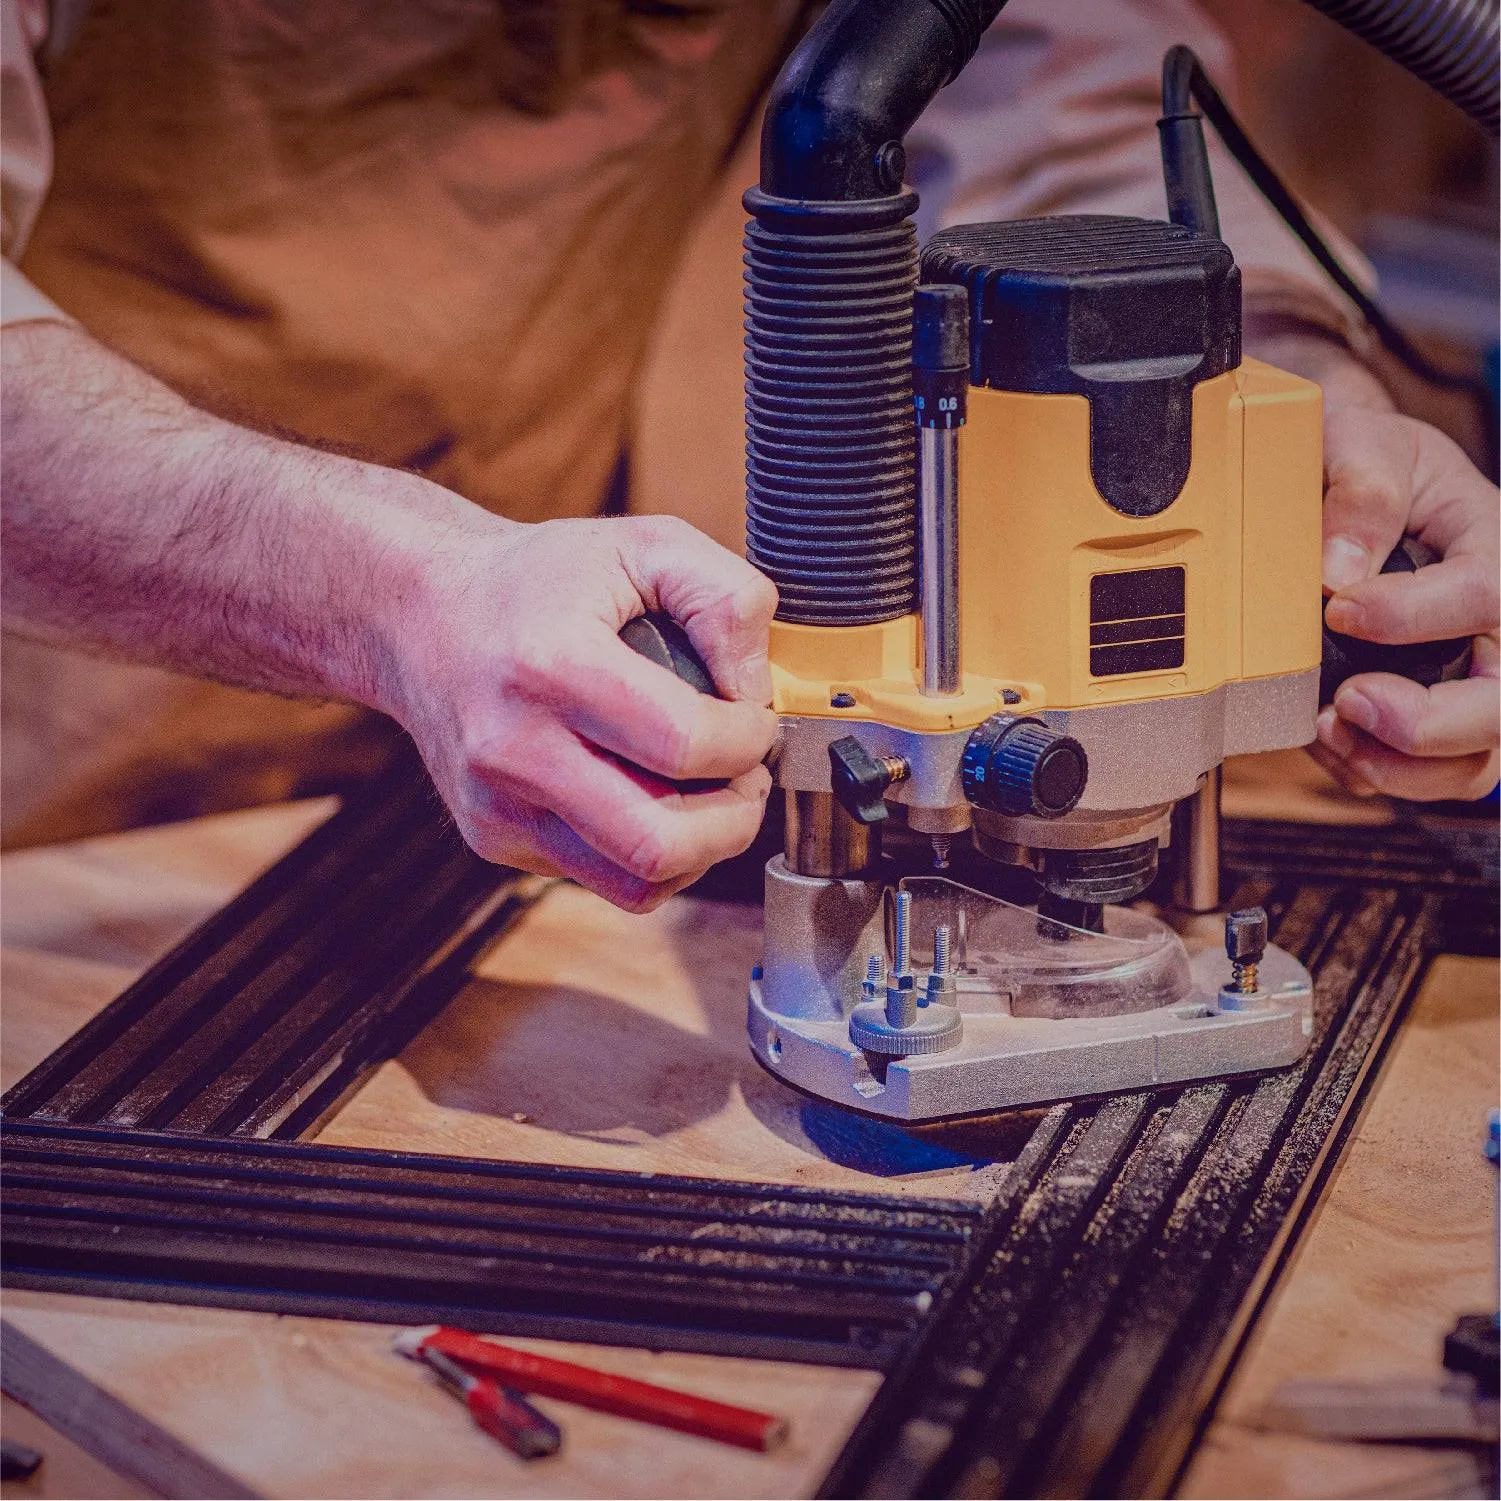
x=660, y=639
x=1425, y=662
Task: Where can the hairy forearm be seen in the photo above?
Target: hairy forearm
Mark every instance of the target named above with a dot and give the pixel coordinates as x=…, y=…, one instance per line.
x=140, y=527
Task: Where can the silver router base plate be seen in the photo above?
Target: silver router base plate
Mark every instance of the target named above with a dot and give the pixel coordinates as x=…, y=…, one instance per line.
x=1003, y=1061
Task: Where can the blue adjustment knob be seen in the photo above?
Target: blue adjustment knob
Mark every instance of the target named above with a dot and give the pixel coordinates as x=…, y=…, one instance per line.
x=1016, y=765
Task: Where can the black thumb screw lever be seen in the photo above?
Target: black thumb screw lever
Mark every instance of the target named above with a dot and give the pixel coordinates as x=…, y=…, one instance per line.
x=860, y=779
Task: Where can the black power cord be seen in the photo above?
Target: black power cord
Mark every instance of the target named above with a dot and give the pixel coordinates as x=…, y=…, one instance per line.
x=1190, y=199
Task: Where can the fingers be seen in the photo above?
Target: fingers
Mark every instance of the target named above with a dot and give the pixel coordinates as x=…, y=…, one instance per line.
x=724, y=604
x=1374, y=767
x=1433, y=744
x=535, y=840
x=619, y=701
x=1387, y=734
x=1454, y=506
x=1388, y=475
x=1369, y=460
x=562, y=848
x=1449, y=719
x=1340, y=770
x=650, y=831
x=1456, y=596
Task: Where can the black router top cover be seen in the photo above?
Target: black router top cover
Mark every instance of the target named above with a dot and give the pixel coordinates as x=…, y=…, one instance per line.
x=1131, y=313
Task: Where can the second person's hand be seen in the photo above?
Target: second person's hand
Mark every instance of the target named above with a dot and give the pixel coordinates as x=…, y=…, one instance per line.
x=1388, y=475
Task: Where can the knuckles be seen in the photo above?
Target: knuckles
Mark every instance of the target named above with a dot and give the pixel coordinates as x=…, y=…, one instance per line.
x=640, y=535
x=677, y=750
x=657, y=855
x=1368, y=503
x=664, y=530
x=502, y=756
x=668, y=848
x=745, y=607
x=488, y=843
x=723, y=582
x=1483, y=594
x=672, y=747
x=1485, y=780
x=491, y=837
x=1462, y=778
x=635, y=896
x=650, y=859
x=1405, y=732
x=753, y=604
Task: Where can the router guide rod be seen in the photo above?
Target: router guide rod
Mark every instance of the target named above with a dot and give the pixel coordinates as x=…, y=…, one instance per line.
x=938, y=546
x=940, y=385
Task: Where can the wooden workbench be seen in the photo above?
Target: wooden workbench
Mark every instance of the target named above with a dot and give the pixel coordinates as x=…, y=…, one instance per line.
x=196, y=1401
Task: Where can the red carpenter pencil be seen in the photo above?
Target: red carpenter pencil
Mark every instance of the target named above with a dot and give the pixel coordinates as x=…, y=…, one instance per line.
x=621, y=1395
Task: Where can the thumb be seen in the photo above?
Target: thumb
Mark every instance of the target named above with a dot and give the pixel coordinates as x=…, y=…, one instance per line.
x=1369, y=459
x=724, y=604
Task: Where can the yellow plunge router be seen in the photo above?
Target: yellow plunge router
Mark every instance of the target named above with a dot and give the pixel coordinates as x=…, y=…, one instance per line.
x=1047, y=548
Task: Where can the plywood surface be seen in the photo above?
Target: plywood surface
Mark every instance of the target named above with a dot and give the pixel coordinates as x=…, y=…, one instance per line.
x=67, y=1472
x=1405, y=1242
x=597, y=1039
x=314, y=1407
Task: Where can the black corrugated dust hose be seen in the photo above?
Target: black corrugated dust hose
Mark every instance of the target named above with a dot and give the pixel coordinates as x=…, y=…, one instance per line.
x=1451, y=45
x=831, y=265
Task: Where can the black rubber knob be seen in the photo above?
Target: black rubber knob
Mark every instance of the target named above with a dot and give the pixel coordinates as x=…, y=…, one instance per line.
x=1018, y=766
x=1425, y=662
x=660, y=639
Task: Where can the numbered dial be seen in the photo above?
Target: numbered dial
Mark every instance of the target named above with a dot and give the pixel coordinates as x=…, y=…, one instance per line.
x=1017, y=766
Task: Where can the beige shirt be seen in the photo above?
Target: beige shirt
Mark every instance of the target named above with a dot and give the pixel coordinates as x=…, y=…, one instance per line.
x=1055, y=114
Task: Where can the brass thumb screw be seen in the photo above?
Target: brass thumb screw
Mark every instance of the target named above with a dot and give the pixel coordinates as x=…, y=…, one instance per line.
x=1245, y=943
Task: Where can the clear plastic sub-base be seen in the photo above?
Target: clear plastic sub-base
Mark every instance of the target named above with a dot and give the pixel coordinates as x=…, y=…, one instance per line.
x=1049, y=1012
